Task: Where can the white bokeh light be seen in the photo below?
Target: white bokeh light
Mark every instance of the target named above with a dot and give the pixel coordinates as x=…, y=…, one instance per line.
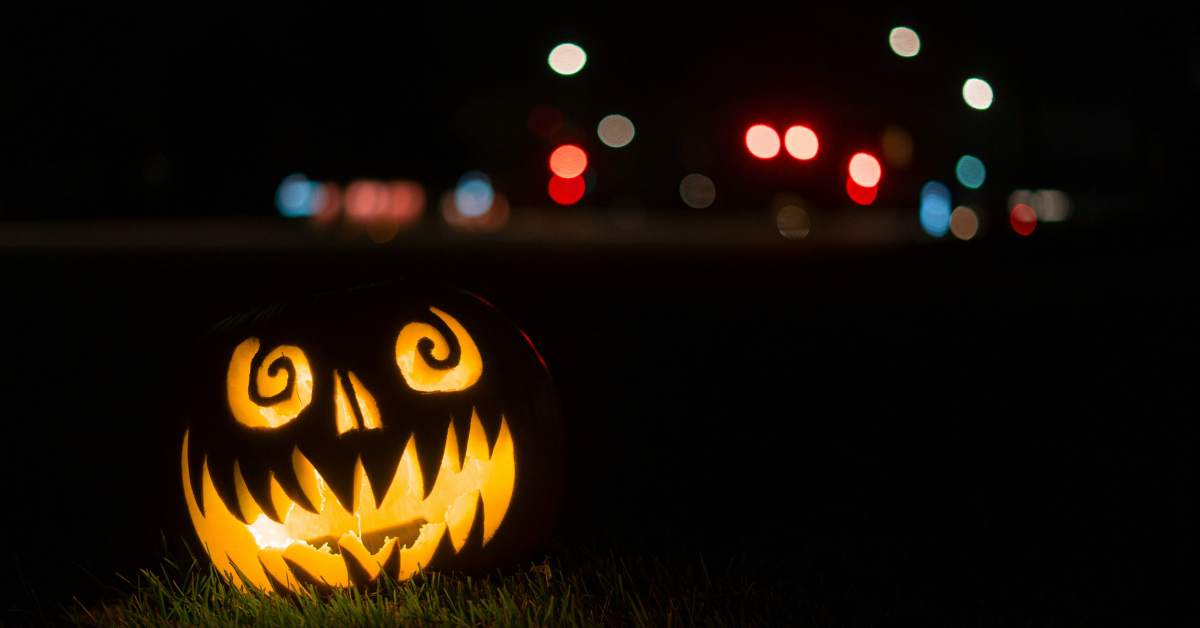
x=567, y=59
x=977, y=93
x=904, y=41
x=615, y=131
x=697, y=191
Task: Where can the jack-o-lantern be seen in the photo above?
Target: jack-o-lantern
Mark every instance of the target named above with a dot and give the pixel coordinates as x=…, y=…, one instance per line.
x=379, y=430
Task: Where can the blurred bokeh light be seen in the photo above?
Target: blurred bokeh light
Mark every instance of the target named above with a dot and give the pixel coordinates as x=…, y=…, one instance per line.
x=904, y=41
x=567, y=191
x=793, y=222
x=977, y=93
x=1048, y=205
x=568, y=161
x=615, y=130
x=970, y=171
x=897, y=146
x=1023, y=219
x=545, y=120
x=801, y=142
x=365, y=200
x=589, y=179
x=935, y=209
x=327, y=203
x=964, y=223
x=865, y=170
x=762, y=141
x=861, y=194
x=473, y=196
x=294, y=196
x=567, y=59
x=493, y=219
x=384, y=208
x=406, y=201
x=699, y=191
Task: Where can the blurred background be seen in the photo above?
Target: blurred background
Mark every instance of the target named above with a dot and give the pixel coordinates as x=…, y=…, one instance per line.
x=892, y=297
x=189, y=110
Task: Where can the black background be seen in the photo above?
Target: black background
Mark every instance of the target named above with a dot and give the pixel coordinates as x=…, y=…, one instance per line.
x=996, y=426
x=235, y=98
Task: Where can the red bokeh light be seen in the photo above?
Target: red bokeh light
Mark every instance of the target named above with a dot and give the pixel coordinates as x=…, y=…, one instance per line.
x=801, y=142
x=567, y=191
x=865, y=170
x=568, y=161
x=365, y=200
x=332, y=205
x=407, y=201
x=1023, y=219
x=861, y=194
x=545, y=120
x=762, y=141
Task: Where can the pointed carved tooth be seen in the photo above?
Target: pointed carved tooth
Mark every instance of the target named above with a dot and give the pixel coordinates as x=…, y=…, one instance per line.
x=422, y=550
x=277, y=571
x=248, y=509
x=345, y=416
x=362, y=566
x=402, y=501
x=477, y=446
x=366, y=404
x=309, y=481
x=497, y=489
x=450, y=459
x=280, y=502
x=320, y=569
x=410, y=464
x=460, y=517
x=366, y=495
x=227, y=540
x=356, y=488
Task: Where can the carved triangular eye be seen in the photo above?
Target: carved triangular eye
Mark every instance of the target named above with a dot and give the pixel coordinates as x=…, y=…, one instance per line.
x=271, y=390
x=432, y=363
x=368, y=410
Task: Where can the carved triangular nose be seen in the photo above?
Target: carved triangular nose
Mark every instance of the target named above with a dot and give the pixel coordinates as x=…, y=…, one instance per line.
x=355, y=409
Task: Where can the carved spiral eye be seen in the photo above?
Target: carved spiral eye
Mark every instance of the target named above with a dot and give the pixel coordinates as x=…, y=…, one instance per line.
x=268, y=391
x=432, y=363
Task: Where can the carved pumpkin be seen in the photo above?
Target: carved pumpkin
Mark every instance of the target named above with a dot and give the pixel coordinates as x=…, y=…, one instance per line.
x=383, y=429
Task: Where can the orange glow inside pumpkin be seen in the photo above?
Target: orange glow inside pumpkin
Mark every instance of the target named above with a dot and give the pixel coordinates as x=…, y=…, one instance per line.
x=279, y=546
x=425, y=378
x=252, y=414
x=341, y=546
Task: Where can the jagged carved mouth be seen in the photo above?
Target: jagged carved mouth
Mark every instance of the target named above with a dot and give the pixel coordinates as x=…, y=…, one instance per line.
x=340, y=546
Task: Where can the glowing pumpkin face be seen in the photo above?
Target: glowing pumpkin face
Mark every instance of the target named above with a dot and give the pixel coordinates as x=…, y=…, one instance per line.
x=378, y=430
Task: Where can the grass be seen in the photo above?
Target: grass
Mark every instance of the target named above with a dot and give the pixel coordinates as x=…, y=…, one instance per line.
x=596, y=589
x=661, y=580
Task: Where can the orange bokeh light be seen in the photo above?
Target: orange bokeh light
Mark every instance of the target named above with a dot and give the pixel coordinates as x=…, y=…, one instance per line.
x=1023, y=219
x=801, y=142
x=762, y=141
x=568, y=161
x=865, y=170
x=861, y=194
x=567, y=191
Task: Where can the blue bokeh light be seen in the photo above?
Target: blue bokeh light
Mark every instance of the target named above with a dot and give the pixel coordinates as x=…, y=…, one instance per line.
x=970, y=171
x=935, y=209
x=295, y=195
x=474, y=196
